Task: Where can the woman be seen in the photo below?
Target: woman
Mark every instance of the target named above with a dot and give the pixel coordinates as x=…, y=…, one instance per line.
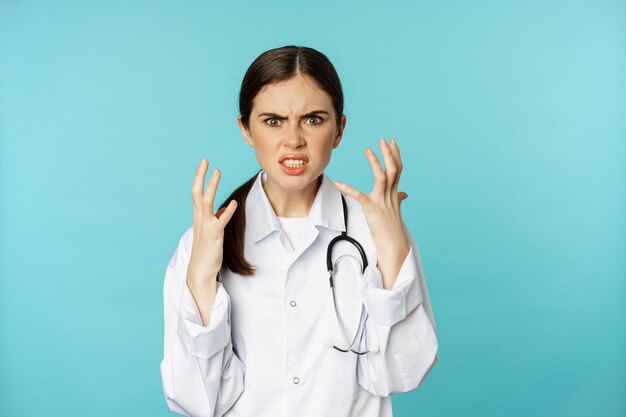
x=252, y=327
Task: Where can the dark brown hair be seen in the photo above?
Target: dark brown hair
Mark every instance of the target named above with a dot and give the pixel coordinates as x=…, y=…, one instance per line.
x=273, y=66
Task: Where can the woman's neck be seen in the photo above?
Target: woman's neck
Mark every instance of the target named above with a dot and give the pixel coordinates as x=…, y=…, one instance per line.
x=292, y=203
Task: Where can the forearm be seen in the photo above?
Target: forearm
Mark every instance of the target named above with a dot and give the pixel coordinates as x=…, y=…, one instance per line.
x=389, y=263
x=204, y=295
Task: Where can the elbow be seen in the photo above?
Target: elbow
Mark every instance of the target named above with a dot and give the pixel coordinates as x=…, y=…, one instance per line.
x=416, y=362
x=185, y=407
x=413, y=380
x=202, y=391
x=425, y=366
x=175, y=407
x=422, y=355
x=410, y=356
x=184, y=401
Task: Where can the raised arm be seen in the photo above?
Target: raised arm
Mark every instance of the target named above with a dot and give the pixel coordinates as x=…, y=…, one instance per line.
x=201, y=374
x=400, y=319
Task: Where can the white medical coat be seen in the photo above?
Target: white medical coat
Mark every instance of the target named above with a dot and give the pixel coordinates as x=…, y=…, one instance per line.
x=265, y=351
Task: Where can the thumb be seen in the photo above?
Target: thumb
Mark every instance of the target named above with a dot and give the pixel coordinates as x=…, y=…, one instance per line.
x=227, y=212
x=402, y=195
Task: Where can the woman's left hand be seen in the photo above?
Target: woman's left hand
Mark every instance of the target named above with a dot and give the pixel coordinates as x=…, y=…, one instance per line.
x=382, y=210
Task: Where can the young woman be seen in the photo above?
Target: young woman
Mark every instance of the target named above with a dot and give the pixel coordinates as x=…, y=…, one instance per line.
x=254, y=323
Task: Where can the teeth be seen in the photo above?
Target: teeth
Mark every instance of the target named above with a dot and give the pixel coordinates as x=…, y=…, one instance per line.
x=293, y=162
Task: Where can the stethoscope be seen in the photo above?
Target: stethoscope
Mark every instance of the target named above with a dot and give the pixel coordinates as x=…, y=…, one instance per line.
x=331, y=271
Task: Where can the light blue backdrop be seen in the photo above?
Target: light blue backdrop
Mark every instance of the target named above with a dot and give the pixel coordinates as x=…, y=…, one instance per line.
x=511, y=121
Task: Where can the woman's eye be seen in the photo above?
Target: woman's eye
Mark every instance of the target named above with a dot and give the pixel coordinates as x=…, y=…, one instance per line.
x=313, y=120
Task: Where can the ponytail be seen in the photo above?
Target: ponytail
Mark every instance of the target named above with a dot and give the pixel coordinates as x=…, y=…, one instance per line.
x=235, y=230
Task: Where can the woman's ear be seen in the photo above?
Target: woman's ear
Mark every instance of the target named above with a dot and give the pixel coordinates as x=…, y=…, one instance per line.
x=245, y=132
x=340, y=130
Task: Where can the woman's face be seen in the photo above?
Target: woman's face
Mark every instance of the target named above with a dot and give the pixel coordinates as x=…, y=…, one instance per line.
x=293, y=119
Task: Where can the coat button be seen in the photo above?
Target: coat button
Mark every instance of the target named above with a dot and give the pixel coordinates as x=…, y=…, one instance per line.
x=296, y=380
x=293, y=303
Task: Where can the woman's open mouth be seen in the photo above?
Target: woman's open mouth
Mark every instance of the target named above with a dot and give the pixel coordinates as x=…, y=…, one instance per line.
x=293, y=166
x=293, y=163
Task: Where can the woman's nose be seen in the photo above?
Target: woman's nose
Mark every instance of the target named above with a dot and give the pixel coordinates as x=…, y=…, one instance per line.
x=294, y=136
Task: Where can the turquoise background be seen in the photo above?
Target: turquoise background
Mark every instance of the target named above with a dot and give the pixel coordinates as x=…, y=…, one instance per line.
x=510, y=117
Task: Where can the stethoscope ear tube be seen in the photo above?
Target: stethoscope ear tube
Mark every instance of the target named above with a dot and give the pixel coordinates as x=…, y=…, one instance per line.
x=344, y=236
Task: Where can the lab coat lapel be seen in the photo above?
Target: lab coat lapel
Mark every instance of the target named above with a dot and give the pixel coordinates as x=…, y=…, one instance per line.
x=326, y=211
x=261, y=221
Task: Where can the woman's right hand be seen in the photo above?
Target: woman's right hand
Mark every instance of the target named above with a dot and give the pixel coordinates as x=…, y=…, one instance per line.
x=208, y=228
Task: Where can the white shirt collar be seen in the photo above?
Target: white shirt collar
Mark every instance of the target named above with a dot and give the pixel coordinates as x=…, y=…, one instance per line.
x=261, y=220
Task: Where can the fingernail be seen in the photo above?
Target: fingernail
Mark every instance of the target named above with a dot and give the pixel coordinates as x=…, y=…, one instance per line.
x=393, y=142
x=202, y=162
x=368, y=150
x=214, y=172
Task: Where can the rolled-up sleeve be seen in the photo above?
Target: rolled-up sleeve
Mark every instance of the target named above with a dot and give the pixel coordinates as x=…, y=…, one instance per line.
x=401, y=324
x=204, y=341
x=390, y=306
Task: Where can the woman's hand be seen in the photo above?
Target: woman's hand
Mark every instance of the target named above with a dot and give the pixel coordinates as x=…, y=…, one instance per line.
x=382, y=210
x=208, y=228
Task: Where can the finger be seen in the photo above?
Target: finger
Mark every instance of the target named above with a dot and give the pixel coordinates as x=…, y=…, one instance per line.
x=227, y=214
x=198, y=184
x=209, y=195
x=352, y=192
x=395, y=151
x=390, y=167
x=379, y=174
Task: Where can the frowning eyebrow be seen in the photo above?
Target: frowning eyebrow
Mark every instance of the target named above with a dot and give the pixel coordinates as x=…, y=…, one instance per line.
x=278, y=116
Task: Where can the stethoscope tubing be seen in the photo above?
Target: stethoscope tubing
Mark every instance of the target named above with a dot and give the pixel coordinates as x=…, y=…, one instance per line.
x=331, y=271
